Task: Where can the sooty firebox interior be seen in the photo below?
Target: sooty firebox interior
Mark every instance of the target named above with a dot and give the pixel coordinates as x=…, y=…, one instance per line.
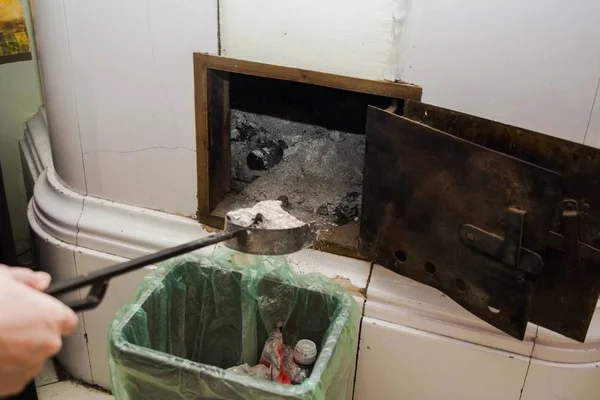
x=300, y=143
x=271, y=132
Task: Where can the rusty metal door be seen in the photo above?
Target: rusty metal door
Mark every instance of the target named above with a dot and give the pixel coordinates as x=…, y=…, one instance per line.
x=468, y=220
x=567, y=289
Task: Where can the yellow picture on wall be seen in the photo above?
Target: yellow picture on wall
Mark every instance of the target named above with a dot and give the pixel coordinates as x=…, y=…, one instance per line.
x=14, y=42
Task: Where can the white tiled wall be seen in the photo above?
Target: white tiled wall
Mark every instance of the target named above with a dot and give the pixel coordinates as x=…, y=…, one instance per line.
x=118, y=80
x=58, y=260
x=120, y=291
x=562, y=381
x=593, y=133
x=353, y=37
x=396, y=362
x=533, y=64
x=133, y=77
x=52, y=37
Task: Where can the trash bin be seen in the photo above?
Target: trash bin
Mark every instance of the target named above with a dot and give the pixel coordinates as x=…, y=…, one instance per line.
x=193, y=318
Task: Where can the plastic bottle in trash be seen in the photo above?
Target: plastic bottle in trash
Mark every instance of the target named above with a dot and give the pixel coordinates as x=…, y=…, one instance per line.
x=298, y=361
x=305, y=352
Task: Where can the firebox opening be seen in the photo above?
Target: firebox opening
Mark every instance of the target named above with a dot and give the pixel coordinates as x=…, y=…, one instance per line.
x=303, y=144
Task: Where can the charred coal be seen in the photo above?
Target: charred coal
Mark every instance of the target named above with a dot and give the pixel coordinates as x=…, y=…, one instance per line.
x=266, y=156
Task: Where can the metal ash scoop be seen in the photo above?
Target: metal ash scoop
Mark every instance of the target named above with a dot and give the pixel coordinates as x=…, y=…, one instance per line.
x=265, y=229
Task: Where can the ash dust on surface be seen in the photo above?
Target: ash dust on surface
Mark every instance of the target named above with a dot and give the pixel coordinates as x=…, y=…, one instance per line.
x=318, y=179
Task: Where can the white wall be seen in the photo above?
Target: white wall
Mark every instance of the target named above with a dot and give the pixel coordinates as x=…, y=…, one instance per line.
x=593, y=132
x=534, y=63
x=52, y=37
x=119, y=84
x=351, y=37
x=20, y=97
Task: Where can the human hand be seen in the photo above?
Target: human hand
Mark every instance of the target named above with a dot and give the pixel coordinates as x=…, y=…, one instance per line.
x=35, y=279
x=32, y=324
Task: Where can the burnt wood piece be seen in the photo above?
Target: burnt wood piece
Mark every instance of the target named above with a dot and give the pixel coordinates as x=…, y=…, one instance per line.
x=266, y=156
x=421, y=186
x=567, y=291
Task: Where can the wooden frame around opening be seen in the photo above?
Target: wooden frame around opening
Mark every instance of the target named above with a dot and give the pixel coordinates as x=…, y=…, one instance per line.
x=213, y=155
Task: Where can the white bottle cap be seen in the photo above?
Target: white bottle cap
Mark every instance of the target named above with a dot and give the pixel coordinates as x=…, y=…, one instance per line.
x=305, y=352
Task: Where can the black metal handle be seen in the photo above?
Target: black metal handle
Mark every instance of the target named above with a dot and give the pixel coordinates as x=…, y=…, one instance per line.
x=99, y=279
x=92, y=300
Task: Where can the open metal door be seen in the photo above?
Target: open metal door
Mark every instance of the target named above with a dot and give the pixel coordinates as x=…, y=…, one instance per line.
x=456, y=215
x=567, y=290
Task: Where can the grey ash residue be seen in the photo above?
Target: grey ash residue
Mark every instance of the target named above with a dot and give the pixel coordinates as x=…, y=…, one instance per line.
x=272, y=216
x=311, y=169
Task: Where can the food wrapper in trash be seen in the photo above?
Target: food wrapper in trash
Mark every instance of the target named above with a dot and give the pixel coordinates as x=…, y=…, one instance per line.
x=296, y=372
x=272, y=357
x=259, y=371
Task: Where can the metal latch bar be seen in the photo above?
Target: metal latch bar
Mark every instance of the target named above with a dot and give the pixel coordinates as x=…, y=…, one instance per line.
x=507, y=249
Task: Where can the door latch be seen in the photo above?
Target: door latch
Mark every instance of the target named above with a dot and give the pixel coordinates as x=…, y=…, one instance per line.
x=507, y=249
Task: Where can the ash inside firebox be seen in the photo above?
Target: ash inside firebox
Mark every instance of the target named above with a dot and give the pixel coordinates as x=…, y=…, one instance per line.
x=317, y=173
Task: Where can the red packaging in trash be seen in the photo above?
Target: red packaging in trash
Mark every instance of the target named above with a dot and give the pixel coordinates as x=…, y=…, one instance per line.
x=272, y=357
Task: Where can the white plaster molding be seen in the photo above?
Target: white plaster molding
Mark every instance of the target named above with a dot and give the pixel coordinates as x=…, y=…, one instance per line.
x=37, y=143
x=129, y=231
x=56, y=208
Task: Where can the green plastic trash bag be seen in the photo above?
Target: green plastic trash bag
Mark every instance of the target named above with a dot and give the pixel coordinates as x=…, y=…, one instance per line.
x=193, y=318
